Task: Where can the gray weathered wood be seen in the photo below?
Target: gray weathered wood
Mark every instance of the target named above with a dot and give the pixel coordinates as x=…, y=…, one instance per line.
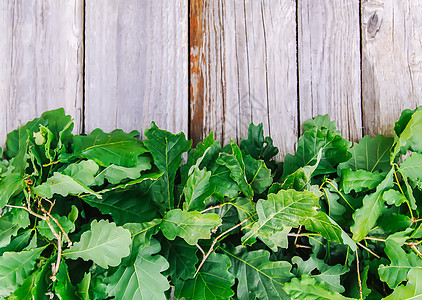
x=136, y=64
x=391, y=61
x=244, y=69
x=41, y=59
x=329, y=63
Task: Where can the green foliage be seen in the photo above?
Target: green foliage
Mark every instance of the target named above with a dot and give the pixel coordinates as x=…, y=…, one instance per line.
x=110, y=216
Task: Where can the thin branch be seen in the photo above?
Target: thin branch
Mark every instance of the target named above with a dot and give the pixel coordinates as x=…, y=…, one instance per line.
x=303, y=246
x=359, y=280
x=200, y=249
x=413, y=246
x=215, y=242
x=369, y=250
x=55, y=266
x=28, y=210
x=211, y=208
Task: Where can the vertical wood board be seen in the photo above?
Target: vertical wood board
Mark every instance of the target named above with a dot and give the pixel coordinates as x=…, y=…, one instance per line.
x=391, y=61
x=244, y=69
x=41, y=60
x=329, y=63
x=136, y=65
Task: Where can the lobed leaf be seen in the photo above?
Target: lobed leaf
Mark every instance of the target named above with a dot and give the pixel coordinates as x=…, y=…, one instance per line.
x=117, y=147
x=166, y=150
x=191, y=226
x=259, y=277
x=370, y=154
x=15, y=267
x=143, y=278
x=105, y=244
x=213, y=281
x=308, y=288
x=365, y=218
x=62, y=185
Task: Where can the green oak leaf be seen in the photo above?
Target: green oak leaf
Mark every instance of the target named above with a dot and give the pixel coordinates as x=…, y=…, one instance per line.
x=401, y=263
x=258, y=276
x=412, y=289
x=126, y=205
x=412, y=167
x=143, y=278
x=334, y=150
x=19, y=242
x=301, y=178
x=117, y=147
x=83, y=171
x=197, y=190
x=320, y=122
x=329, y=229
x=115, y=174
x=365, y=218
x=393, y=197
x=256, y=145
x=63, y=286
x=235, y=163
x=329, y=275
x=223, y=183
x=141, y=234
x=394, y=222
x=63, y=185
x=205, y=153
x=15, y=267
x=370, y=154
x=309, y=288
x=9, y=185
x=64, y=222
x=213, y=281
x=105, y=244
x=181, y=257
x=166, y=149
x=91, y=287
x=10, y=223
x=409, y=137
x=24, y=291
x=286, y=208
x=191, y=226
x=359, y=180
x=257, y=174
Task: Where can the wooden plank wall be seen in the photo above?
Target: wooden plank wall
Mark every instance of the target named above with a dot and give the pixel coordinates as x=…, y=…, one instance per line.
x=212, y=65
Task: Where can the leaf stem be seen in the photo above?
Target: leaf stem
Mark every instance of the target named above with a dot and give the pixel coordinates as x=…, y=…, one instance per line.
x=359, y=280
x=401, y=190
x=341, y=195
x=215, y=242
x=369, y=250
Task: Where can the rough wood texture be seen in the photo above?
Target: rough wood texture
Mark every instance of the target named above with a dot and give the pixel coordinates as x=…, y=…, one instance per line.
x=244, y=69
x=136, y=65
x=41, y=58
x=329, y=63
x=391, y=61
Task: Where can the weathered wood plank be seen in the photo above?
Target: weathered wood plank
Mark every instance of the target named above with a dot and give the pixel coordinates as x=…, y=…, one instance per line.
x=41, y=59
x=244, y=69
x=136, y=64
x=329, y=63
x=391, y=61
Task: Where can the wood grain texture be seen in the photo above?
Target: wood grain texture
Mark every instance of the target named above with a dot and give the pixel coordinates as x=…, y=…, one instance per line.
x=244, y=69
x=41, y=54
x=329, y=63
x=391, y=61
x=136, y=65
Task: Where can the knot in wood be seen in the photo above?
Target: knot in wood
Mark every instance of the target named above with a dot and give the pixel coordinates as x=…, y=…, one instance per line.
x=373, y=25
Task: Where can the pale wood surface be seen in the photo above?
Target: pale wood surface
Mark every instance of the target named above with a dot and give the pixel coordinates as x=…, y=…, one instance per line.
x=329, y=63
x=391, y=61
x=41, y=59
x=136, y=65
x=245, y=69
x=202, y=65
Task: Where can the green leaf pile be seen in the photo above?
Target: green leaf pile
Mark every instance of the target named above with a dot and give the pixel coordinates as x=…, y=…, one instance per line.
x=110, y=216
